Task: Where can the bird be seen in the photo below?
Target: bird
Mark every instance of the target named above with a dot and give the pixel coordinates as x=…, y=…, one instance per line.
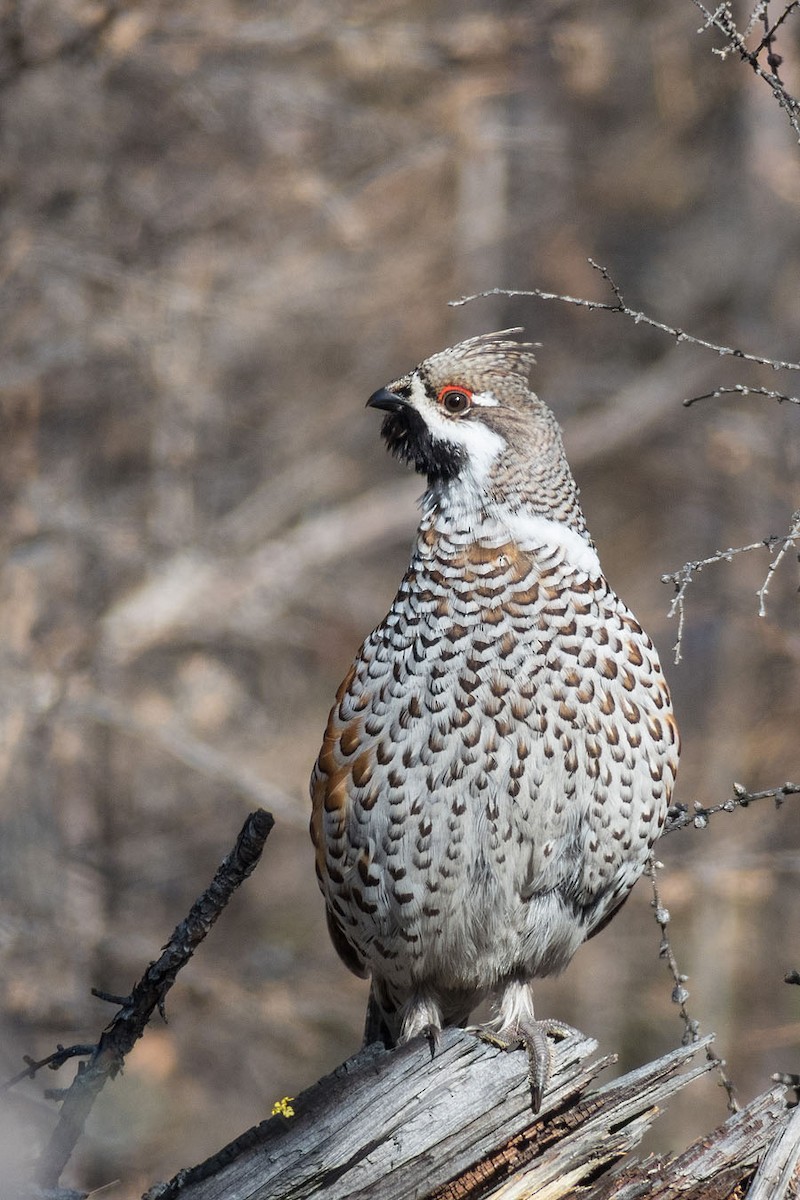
x=499, y=759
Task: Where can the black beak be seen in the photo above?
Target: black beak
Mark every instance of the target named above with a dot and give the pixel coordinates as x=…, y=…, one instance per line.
x=386, y=400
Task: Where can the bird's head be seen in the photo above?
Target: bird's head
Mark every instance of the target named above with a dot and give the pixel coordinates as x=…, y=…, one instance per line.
x=467, y=419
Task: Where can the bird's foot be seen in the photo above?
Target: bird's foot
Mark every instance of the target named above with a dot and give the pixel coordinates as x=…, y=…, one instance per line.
x=532, y=1036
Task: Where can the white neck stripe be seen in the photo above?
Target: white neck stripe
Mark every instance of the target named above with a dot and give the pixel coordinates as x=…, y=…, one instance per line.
x=531, y=531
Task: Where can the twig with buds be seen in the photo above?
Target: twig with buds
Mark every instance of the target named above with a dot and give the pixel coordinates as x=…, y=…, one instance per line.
x=639, y=318
x=742, y=389
x=722, y=19
x=680, y=816
x=685, y=575
x=680, y=993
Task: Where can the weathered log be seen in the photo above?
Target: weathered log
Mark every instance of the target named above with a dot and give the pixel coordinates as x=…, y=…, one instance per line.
x=403, y=1125
x=718, y=1166
x=779, y=1172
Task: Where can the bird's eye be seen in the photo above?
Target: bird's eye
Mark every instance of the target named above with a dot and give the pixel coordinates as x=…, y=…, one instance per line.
x=454, y=400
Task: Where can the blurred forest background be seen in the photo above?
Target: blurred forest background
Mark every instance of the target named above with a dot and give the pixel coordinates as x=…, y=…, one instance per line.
x=224, y=223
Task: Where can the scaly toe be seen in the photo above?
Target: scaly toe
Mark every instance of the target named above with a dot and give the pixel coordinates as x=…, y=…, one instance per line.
x=503, y=1041
x=533, y=1037
x=559, y=1029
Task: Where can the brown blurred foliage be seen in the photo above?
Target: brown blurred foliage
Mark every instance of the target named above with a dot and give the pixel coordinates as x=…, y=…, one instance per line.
x=224, y=223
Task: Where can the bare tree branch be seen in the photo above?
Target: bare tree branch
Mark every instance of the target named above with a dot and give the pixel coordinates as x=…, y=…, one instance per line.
x=792, y=536
x=148, y=994
x=60, y=1055
x=722, y=19
x=680, y=993
x=680, y=816
x=683, y=577
x=742, y=389
x=769, y=37
x=639, y=318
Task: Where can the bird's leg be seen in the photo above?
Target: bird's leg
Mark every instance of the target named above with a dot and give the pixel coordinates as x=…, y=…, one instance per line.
x=518, y=1028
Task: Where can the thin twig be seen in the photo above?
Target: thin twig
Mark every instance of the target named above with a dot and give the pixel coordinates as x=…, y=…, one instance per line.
x=792, y=536
x=682, y=578
x=769, y=36
x=742, y=389
x=723, y=21
x=639, y=318
x=680, y=816
x=60, y=1055
x=148, y=994
x=680, y=993
x=759, y=13
x=774, y=60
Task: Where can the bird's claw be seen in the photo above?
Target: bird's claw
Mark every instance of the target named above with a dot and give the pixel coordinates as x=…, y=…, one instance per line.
x=533, y=1037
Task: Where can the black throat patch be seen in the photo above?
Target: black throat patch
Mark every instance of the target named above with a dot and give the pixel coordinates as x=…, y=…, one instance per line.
x=408, y=438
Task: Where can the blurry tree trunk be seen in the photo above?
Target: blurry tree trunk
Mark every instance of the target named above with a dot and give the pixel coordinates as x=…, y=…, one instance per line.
x=482, y=216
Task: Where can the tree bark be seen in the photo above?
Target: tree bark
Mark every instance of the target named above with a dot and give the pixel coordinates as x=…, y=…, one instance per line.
x=407, y=1125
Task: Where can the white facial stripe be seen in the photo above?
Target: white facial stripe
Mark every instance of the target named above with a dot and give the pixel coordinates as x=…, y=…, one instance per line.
x=530, y=532
x=485, y=399
x=482, y=445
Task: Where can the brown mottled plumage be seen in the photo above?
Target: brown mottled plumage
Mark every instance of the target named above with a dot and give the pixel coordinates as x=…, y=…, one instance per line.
x=500, y=757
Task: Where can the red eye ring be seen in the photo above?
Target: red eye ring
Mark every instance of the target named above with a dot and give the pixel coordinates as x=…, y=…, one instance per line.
x=454, y=400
